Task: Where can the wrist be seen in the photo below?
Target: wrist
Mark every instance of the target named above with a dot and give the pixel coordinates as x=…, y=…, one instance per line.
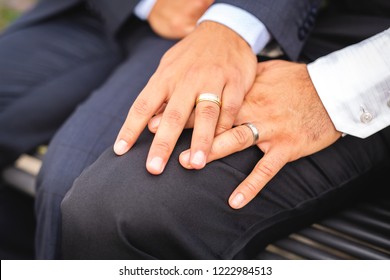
x=218, y=30
x=249, y=27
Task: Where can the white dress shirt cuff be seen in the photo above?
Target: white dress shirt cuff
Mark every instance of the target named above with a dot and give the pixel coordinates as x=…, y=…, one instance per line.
x=143, y=8
x=249, y=27
x=354, y=85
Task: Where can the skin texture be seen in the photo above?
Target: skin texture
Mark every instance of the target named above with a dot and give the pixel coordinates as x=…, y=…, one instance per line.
x=174, y=19
x=292, y=123
x=211, y=50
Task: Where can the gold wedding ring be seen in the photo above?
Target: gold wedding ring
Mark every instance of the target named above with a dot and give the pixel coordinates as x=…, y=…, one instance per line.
x=255, y=132
x=208, y=97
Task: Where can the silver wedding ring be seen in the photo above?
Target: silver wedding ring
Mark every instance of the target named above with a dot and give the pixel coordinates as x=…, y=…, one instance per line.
x=208, y=97
x=254, y=130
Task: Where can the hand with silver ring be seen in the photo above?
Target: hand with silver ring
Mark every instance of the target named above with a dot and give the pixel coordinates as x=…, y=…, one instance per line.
x=283, y=116
x=255, y=132
x=225, y=71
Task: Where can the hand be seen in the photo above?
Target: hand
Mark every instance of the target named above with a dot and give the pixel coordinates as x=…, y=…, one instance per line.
x=174, y=19
x=292, y=123
x=213, y=58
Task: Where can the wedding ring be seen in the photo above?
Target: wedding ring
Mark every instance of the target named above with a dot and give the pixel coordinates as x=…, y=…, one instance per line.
x=254, y=131
x=209, y=97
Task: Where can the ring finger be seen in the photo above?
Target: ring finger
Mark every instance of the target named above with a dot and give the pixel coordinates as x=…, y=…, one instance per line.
x=207, y=110
x=231, y=141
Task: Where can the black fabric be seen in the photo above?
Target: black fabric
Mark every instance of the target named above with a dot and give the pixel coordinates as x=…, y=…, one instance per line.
x=343, y=24
x=17, y=223
x=184, y=214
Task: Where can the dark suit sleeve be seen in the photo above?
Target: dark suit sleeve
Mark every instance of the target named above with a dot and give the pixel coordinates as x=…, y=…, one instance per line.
x=288, y=21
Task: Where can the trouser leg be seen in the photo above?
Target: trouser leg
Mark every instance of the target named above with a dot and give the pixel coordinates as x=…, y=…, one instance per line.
x=46, y=69
x=89, y=131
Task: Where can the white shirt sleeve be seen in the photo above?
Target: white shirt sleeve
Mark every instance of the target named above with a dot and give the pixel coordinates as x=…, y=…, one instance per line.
x=249, y=27
x=354, y=85
x=143, y=8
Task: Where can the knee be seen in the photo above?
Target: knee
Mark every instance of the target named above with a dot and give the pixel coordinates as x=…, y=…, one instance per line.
x=138, y=210
x=104, y=192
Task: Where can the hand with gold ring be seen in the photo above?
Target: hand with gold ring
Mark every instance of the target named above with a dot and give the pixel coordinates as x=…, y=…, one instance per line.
x=283, y=115
x=212, y=59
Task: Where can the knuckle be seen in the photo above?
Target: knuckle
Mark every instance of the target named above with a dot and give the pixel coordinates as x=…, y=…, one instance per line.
x=234, y=74
x=191, y=72
x=174, y=117
x=142, y=107
x=251, y=188
x=219, y=71
x=127, y=133
x=162, y=147
x=203, y=140
x=266, y=170
x=221, y=127
x=208, y=112
x=240, y=135
x=230, y=109
x=270, y=167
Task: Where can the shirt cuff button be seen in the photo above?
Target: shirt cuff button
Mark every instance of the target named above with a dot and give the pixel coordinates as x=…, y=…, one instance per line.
x=366, y=117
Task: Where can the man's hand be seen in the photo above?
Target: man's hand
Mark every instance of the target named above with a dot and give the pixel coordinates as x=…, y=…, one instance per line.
x=212, y=59
x=292, y=123
x=174, y=19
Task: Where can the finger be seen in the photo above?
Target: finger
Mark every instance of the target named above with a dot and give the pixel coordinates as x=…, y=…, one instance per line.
x=227, y=143
x=143, y=108
x=206, y=119
x=191, y=120
x=171, y=126
x=263, y=172
x=154, y=122
x=232, y=100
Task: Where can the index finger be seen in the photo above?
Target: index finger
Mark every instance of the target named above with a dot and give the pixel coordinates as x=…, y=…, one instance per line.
x=264, y=171
x=142, y=110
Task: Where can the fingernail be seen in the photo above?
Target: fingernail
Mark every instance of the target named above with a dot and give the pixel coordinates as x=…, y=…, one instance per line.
x=120, y=147
x=155, y=122
x=198, y=159
x=156, y=165
x=185, y=157
x=237, y=200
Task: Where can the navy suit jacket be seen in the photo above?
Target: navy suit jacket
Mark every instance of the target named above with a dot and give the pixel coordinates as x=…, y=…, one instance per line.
x=289, y=21
x=299, y=13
